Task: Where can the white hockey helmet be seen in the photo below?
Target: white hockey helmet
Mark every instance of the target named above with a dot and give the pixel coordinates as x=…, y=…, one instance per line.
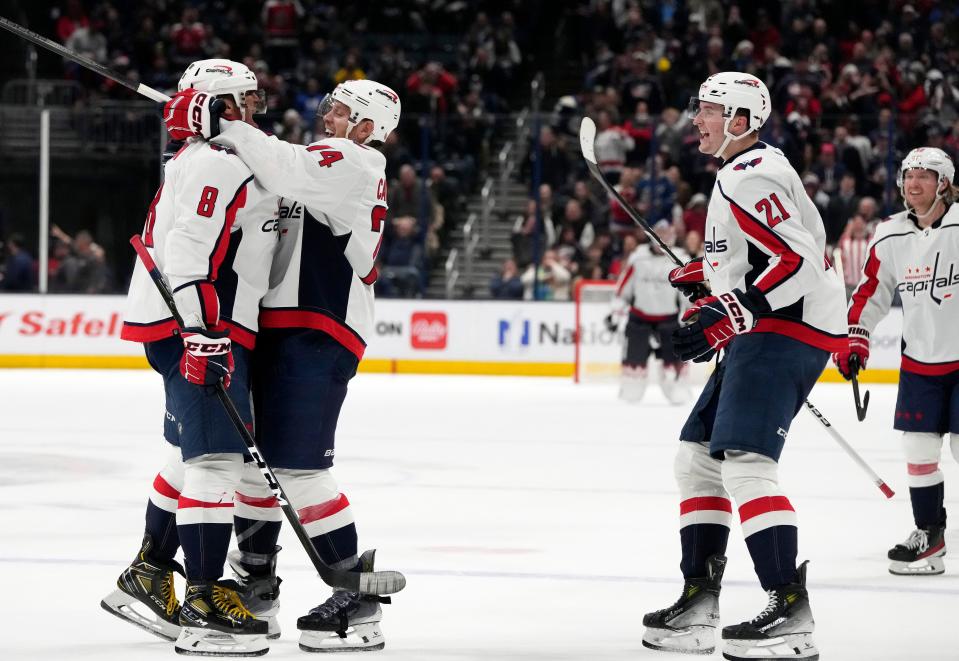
x=221, y=77
x=366, y=99
x=927, y=158
x=735, y=90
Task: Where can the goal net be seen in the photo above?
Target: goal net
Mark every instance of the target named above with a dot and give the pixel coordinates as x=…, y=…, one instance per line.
x=598, y=352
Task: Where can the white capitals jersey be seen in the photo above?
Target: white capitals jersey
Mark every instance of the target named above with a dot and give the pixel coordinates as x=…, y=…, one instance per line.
x=644, y=287
x=209, y=223
x=762, y=230
x=331, y=223
x=923, y=266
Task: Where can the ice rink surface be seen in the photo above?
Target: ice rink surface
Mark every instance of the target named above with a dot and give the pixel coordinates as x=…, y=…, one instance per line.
x=533, y=518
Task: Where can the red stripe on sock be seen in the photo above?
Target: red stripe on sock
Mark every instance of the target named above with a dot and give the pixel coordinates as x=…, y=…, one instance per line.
x=312, y=513
x=255, y=502
x=705, y=503
x=163, y=487
x=764, y=505
x=184, y=503
x=922, y=469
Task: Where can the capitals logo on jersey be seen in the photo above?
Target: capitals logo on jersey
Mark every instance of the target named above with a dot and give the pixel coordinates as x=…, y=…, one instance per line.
x=929, y=279
x=714, y=245
x=748, y=164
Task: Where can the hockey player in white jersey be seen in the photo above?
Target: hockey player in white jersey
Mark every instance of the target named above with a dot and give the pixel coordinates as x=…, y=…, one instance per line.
x=211, y=230
x=315, y=321
x=777, y=312
x=651, y=307
x=916, y=252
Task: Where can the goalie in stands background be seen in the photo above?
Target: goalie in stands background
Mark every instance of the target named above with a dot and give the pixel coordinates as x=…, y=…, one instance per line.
x=651, y=309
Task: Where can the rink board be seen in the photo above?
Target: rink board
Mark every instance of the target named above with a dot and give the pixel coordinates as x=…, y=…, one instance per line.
x=410, y=337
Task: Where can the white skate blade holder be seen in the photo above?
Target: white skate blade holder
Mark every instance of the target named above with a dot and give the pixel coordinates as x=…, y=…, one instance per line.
x=688, y=640
x=928, y=566
x=361, y=637
x=792, y=646
x=195, y=641
x=135, y=612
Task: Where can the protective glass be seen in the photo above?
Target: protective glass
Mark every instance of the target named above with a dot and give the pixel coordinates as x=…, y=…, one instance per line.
x=260, y=101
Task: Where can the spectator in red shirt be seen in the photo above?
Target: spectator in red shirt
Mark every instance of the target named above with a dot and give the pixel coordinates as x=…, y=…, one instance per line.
x=764, y=35
x=694, y=217
x=73, y=17
x=435, y=80
x=189, y=38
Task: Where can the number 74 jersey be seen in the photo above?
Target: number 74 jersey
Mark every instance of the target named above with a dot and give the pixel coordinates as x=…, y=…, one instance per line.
x=332, y=220
x=762, y=230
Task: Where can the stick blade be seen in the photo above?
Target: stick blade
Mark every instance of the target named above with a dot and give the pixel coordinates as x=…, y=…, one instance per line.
x=381, y=582
x=587, y=139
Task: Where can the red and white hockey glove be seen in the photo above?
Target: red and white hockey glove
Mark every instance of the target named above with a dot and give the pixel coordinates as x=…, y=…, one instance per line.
x=690, y=279
x=715, y=320
x=207, y=357
x=854, y=357
x=191, y=113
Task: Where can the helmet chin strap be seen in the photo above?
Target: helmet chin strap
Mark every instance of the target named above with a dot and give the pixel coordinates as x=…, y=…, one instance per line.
x=932, y=207
x=729, y=136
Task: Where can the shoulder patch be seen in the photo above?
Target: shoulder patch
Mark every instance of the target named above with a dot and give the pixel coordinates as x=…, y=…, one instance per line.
x=748, y=164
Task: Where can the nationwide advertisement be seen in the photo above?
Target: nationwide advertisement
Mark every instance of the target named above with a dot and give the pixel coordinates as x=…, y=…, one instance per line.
x=466, y=337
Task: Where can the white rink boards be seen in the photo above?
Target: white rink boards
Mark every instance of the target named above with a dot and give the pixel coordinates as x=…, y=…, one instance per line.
x=534, y=519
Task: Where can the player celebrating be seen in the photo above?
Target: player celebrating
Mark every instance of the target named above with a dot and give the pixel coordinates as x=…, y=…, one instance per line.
x=912, y=253
x=653, y=306
x=205, y=229
x=778, y=313
x=315, y=319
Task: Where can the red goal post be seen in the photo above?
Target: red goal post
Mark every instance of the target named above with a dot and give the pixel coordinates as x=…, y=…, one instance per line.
x=597, y=351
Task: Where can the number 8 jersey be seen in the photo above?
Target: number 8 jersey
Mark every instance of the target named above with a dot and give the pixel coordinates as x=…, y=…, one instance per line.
x=212, y=232
x=332, y=220
x=762, y=230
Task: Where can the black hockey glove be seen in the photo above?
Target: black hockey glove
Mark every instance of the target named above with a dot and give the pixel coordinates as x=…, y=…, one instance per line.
x=712, y=322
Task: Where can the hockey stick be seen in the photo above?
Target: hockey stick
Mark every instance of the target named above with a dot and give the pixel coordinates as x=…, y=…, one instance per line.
x=107, y=72
x=854, y=366
x=379, y=582
x=587, y=137
x=878, y=481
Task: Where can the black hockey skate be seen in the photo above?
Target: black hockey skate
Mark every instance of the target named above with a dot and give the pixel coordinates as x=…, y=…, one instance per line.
x=783, y=630
x=346, y=622
x=145, y=594
x=259, y=585
x=216, y=622
x=689, y=625
x=921, y=553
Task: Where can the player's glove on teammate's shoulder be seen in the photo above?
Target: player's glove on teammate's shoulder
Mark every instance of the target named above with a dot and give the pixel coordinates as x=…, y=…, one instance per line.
x=191, y=113
x=715, y=320
x=853, y=358
x=207, y=357
x=690, y=280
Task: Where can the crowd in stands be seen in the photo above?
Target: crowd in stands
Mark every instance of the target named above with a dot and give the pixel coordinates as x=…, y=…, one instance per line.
x=77, y=265
x=453, y=66
x=853, y=90
x=854, y=86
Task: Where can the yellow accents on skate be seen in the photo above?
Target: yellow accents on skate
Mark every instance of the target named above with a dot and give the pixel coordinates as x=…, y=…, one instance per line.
x=145, y=582
x=693, y=589
x=168, y=594
x=791, y=597
x=228, y=601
